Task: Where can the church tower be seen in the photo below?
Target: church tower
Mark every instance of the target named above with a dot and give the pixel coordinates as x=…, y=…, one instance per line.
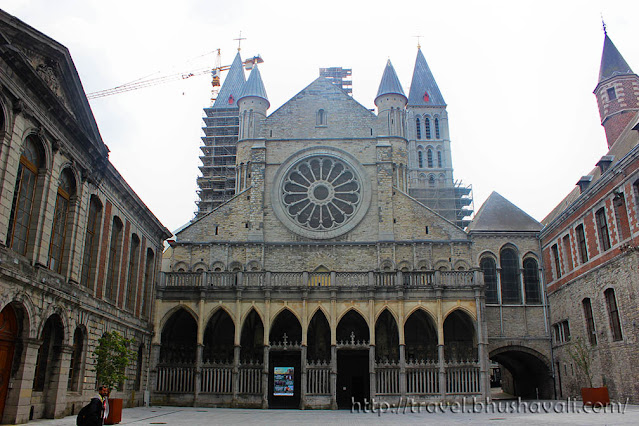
x=391, y=104
x=617, y=92
x=217, y=183
x=430, y=160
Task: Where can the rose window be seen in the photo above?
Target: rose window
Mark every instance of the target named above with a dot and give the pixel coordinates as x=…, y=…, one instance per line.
x=321, y=193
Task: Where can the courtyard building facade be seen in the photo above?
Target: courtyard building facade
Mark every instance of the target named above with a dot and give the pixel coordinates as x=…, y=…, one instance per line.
x=79, y=250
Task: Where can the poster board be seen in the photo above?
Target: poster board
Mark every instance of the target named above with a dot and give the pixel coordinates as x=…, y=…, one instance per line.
x=283, y=381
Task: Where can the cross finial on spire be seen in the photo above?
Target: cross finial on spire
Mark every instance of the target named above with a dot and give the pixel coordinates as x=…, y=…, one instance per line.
x=419, y=46
x=239, y=41
x=604, y=25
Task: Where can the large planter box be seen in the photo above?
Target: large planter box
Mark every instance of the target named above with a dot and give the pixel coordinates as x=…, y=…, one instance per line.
x=115, y=411
x=598, y=396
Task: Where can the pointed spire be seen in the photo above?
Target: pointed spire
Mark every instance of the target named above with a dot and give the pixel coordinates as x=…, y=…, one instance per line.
x=232, y=86
x=612, y=63
x=390, y=83
x=423, y=88
x=254, y=86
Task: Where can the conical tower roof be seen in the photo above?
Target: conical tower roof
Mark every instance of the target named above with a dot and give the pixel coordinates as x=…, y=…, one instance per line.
x=254, y=86
x=390, y=83
x=612, y=63
x=423, y=88
x=232, y=86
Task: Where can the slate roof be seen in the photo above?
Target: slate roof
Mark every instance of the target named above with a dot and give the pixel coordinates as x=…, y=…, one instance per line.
x=254, y=86
x=390, y=83
x=423, y=88
x=499, y=214
x=612, y=63
x=232, y=86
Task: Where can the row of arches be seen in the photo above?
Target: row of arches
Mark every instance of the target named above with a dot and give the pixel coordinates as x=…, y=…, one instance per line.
x=429, y=131
x=426, y=158
x=509, y=283
x=420, y=336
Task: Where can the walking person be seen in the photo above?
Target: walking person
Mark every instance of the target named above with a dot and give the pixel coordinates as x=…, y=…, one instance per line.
x=96, y=411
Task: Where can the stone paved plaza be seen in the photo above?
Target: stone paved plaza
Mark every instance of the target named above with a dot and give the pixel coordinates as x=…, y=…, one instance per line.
x=183, y=416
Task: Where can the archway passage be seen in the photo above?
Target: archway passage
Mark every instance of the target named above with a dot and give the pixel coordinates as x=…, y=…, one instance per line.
x=47, y=369
x=319, y=338
x=285, y=365
x=8, y=335
x=353, y=376
x=218, y=338
x=352, y=328
x=526, y=375
x=179, y=339
x=252, y=339
x=386, y=338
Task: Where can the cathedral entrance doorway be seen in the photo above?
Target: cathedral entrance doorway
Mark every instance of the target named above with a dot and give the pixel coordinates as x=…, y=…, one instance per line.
x=8, y=334
x=524, y=372
x=285, y=364
x=353, y=384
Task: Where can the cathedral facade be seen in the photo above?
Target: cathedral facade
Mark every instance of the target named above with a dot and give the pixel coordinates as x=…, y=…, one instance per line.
x=325, y=280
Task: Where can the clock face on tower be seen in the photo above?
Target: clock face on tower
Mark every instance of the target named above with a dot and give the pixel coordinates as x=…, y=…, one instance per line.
x=321, y=193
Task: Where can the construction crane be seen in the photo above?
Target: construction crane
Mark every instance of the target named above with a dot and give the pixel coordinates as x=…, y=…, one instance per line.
x=141, y=83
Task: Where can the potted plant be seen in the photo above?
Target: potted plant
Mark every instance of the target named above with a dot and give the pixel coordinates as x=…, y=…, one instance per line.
x=113, y=356
x=580, y=354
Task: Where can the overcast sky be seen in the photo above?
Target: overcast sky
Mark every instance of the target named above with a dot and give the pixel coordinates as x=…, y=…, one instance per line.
x=517, y=77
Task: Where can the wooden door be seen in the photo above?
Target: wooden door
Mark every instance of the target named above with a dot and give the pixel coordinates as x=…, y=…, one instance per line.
x=8, y=333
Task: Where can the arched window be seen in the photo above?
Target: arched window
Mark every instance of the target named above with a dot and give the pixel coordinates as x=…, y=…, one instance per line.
x=321, y=118
x=431, y=181
x=489, y=269
x=531, y=281
x=418, y=128
x=132, y=279
x=510, y=284
x=439, y=159
x=429, y=158
x=62, y=221
x=75, y=366
x=148, y=282
x=437, y=128
x=613, y=314
x=427, y=127
x=91, y=243
x=420, y=156
x=114, y=260
x=22, y=208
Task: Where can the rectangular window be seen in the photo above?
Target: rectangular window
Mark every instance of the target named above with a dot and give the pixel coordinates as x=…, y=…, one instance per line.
x=612, y=95
x=590, y=321
x=613, y=314
x=581, y=243
x=567, y=253
x=621, y=216
x=555, y=255
x=602, y=228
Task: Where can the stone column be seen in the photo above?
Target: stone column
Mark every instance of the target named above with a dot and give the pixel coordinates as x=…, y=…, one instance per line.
x=154, y=361
x=402, y=369
x=265, y=377
x=482, y=344
x=440, y=344
x=236, y=374
x=371, y=369
x=303, y=378
x=18, y=401
x=55, y=394
x=198, y=372
x=333, y=377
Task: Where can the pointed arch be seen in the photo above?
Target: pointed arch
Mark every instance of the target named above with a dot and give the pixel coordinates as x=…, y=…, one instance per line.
x=178, y=341
x=352, y=321
x=488, y=266
x=285, y=323
x=252, y=338
x=510, y=274
x=386, y=337
x=460, y=337
x=420, y=336
x=219, y=337
x=318, y=337
x=173, y=310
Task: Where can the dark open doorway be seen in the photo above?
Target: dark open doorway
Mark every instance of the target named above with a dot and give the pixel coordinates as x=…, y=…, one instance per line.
x=284, y=367
x=353, y=383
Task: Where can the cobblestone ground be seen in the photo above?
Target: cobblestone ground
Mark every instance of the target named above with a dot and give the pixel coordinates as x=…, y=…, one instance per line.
x=189, y=416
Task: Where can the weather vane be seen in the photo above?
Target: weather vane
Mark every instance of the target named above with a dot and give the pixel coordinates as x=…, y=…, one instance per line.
x=239, y=41
x=419, y=46
x=604, y=24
